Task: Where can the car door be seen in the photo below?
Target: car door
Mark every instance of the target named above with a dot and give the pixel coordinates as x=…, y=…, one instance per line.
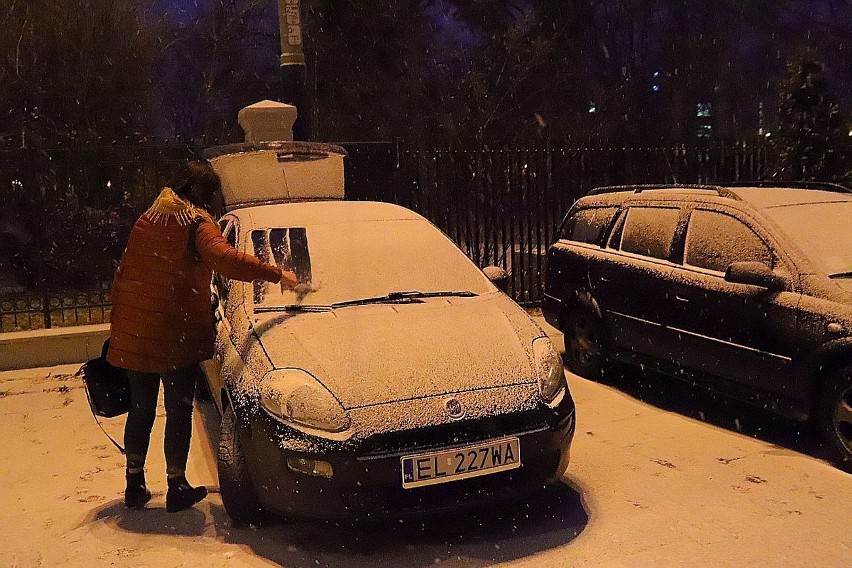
x=567, y=267
x=733, y=331
x=630, y=281
x=224, y=301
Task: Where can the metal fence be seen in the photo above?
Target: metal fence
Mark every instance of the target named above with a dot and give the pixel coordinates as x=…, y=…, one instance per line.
x=501, y=206
x=29, y=311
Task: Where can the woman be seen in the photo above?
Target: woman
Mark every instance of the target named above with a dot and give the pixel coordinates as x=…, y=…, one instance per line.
x=162, y=325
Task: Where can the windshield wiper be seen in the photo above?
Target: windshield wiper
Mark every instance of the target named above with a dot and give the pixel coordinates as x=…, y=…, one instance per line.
x=293, y=308
x=841, y=275
x=401, y=297
x=390, y=298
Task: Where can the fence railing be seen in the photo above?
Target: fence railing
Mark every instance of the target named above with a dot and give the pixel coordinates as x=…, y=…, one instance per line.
x=20, y=312
x=501, y=206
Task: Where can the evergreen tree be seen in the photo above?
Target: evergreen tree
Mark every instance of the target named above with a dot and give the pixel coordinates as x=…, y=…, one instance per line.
x=812, y=143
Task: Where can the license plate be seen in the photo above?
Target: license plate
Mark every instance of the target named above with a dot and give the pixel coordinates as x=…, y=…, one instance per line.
x=460, y=463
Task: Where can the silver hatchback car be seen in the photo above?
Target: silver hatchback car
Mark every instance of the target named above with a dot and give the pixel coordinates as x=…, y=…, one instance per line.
x=396, y=379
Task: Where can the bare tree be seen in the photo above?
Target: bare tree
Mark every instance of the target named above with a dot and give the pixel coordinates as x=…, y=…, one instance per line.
x=77, y=69
x=221, y=58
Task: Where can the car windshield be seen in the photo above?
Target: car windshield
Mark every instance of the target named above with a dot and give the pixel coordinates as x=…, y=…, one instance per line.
x=363, y=260
x=821, y=230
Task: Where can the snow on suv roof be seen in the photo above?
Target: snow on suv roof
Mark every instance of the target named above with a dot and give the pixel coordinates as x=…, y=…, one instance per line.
x=761, y=196
x=767, y=197
x=310, y=213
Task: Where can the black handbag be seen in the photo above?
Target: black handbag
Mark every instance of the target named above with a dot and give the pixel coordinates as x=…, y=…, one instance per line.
x=107, y=389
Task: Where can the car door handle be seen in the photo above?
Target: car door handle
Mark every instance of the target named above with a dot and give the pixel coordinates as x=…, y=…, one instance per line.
x=680, y=298
x=604, y=279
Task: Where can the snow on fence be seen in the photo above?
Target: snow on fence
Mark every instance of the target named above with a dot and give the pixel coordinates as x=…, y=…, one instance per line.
x=501, y=206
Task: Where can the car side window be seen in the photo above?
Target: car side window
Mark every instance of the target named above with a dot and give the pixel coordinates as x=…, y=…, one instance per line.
x=649, y=231
x=715, y=240
x=228, y=231
x=587, y=225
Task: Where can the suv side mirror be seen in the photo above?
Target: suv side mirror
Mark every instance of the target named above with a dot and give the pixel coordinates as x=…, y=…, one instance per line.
x=498, y=277
x=754, y=274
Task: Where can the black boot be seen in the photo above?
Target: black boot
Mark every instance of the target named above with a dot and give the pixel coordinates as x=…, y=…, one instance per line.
x=136, y=494
x=181, y=495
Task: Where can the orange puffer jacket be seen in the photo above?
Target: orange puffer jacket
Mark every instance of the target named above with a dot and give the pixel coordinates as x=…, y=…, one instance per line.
x=161, y=315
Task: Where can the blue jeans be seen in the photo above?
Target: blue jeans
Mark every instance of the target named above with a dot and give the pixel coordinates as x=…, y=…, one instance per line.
x=178, y=390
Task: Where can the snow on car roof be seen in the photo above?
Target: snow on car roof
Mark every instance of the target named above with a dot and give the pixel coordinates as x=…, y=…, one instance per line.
x=323, y=212
x=767, y=197
x=278, y=172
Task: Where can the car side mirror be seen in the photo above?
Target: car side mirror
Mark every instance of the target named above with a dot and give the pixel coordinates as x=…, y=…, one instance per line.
x=754, y=274
x=498, y=277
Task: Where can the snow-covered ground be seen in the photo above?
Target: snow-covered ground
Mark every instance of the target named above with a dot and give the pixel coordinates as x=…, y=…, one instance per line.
x=646, y=487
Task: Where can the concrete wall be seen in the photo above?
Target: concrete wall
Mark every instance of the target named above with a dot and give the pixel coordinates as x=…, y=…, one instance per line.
x=49, y=347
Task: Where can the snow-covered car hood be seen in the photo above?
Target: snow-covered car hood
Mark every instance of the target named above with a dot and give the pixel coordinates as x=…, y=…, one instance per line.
x=845, y=285
x=380, y=353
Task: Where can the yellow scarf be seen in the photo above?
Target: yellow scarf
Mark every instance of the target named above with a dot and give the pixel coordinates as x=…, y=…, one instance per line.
x=168, y=205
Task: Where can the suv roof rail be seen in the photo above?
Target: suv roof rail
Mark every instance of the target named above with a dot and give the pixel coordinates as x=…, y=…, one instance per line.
x=822, y=185
x=721, y=191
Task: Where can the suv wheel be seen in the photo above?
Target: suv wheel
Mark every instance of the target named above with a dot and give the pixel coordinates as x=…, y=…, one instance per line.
x=835, y=415
x=585, y=352
x=238, y=495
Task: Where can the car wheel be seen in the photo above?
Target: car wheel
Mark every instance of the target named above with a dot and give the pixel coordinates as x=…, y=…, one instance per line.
x=238, y=495
x=585, y=352
x=835, y=415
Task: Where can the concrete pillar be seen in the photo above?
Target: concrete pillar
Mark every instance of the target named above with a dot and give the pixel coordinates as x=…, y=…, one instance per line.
x=267, y=121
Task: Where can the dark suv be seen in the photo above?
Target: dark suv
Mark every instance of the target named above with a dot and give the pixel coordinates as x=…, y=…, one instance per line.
x=746, y=290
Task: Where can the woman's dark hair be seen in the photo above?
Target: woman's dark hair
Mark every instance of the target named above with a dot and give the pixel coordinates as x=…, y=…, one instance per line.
x=198, y=183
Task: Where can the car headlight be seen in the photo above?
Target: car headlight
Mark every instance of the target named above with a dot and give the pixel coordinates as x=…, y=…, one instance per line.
x=293, y=395
x=551, y=374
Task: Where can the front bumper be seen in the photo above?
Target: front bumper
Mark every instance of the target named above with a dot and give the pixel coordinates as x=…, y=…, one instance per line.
x=367, y=480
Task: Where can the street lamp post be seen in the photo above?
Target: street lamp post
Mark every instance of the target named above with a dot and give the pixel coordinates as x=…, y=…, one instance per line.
x=293, y=72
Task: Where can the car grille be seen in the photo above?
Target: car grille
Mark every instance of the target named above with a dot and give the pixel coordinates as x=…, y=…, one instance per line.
x=448, y=435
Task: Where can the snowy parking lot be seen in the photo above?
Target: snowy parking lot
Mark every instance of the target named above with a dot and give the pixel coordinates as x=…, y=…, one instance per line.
x=660, y=476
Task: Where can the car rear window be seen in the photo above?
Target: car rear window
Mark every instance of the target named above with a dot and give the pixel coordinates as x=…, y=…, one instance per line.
x=714, y=240
x=587, y=225
x=649, y=231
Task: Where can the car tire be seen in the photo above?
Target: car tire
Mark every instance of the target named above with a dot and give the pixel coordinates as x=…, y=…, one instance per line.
x=585, y=348
x=835, y=416
x=235, y=484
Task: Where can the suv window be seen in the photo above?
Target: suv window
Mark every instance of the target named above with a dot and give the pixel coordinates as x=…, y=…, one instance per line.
x=714, y=240
x=649, y=231
x=587, y=225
